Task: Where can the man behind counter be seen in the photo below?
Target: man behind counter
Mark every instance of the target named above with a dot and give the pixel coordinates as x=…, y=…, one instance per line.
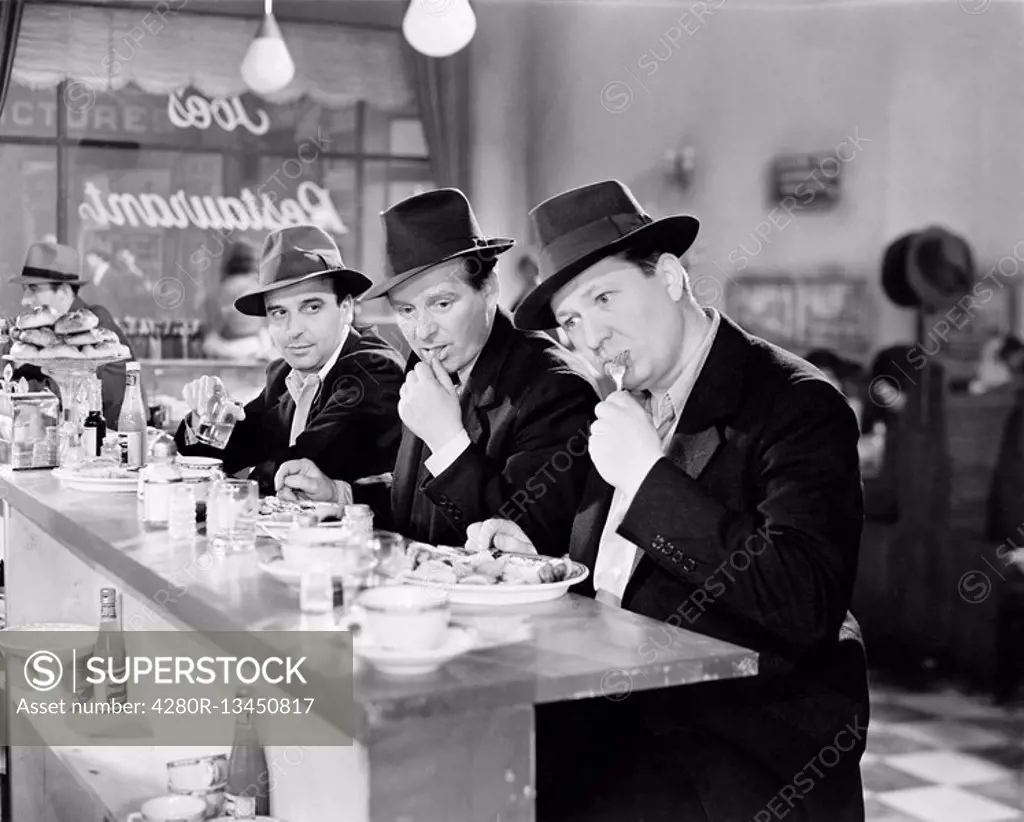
x=50, y=279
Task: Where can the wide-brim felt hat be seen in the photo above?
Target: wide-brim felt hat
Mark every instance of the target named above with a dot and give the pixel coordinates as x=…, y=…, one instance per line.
x=49, y=263
x=894, y=273
x=930, y=269
x=940, y=267
x=582, y=226
x=428, y=229
x=294, y=255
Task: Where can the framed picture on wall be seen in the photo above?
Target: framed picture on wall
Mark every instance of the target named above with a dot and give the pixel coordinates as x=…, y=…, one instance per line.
x=765, y=306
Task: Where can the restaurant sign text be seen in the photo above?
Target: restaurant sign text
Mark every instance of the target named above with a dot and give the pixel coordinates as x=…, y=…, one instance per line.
x=246, y=212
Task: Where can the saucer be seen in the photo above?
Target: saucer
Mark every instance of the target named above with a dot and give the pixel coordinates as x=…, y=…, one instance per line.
x=289, y=573
x=411, y=663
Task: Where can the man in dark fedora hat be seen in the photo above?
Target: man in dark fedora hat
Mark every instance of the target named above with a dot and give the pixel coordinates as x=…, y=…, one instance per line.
x=725, y=498
x=334, y=393
x=51, y=277
x=495, y=419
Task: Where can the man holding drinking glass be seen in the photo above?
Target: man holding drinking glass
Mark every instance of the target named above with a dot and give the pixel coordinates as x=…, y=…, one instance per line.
x=332, y=396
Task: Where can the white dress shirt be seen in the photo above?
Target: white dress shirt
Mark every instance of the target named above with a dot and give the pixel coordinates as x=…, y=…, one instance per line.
x=304, y=390
x=617, y=557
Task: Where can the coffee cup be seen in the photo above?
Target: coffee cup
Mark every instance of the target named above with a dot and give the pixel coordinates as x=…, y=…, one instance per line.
x=405, y=617
x=199, y=773
x=170, y=809
x=213, y=797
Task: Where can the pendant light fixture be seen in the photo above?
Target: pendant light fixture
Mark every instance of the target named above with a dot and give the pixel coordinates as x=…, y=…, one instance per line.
x=267, y=66
x=439, y=28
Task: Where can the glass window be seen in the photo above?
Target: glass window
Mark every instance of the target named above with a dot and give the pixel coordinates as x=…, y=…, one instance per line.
x=28, y=211
x=399, y=134
x=191, y=120
x=140, y=217
x=29, y=113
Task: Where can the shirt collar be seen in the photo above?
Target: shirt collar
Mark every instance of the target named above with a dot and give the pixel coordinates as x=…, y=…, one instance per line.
x=675, y=398
x=296, y=382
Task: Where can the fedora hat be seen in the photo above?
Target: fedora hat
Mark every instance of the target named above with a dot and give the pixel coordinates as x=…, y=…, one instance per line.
x=582, y=226
x=940, y=267
x=293, y=255
x=894, y=273
x=428, y=229
x=50, y=263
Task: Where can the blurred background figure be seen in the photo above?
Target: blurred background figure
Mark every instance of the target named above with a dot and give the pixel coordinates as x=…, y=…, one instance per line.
x=525, y=277
x=233, y=335
x=844, y=374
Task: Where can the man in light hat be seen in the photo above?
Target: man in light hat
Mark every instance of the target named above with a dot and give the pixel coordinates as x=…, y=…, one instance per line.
x=51, y=277
x=725, y=499
x=334, y=393
x=495, y=419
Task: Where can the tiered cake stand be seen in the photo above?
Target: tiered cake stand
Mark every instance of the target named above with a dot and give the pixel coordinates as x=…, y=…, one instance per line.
x=71, y=376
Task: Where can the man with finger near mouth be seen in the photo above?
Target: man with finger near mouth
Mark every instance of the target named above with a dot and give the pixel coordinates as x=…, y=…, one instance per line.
x=486, y=408
x=725, y=499
x=333, y=395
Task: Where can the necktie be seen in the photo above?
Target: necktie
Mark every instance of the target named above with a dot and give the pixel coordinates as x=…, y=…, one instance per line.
x=303, y=402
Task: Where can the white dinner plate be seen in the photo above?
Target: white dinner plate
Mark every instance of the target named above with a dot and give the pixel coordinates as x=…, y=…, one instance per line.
x=288, y=573
x=412, y=663
x=504, y=593
x=97, y=485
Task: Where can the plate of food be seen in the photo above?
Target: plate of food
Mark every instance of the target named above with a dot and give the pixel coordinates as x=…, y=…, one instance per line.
x=99, y=476
x=491, y=577
x=45, y=338
x=277, y=516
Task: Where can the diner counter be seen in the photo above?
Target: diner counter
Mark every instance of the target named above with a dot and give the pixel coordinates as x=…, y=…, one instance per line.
x=454, y=745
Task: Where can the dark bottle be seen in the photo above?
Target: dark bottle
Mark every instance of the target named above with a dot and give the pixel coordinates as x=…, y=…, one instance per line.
x=248, y=775
x=95, y=426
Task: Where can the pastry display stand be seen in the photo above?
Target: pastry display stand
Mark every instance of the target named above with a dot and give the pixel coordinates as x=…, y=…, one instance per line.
x=72, y=376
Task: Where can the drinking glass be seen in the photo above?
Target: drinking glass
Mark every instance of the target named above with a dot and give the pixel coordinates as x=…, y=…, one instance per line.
x=389, y=550
x=231, y=515
x=216, y=423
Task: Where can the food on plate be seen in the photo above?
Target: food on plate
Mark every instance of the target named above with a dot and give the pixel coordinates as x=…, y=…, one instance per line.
x=44, y=335
x=273, y=509
x=451, y=566
x=24, y=351
x=39, y=337
x=90, y=337
x=74, y=322
x=103, y=468
x=62, y=351
x=39, y=317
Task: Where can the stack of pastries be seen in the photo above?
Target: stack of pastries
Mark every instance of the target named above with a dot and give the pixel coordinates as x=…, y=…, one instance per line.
x=42, y=333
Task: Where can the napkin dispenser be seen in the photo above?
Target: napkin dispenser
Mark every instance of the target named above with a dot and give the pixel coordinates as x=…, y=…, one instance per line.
x=28, y=429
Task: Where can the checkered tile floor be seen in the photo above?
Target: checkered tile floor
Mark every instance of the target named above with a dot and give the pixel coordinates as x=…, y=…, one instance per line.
x=942, y=756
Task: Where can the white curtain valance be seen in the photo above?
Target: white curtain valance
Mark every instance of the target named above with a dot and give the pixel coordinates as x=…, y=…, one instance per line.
x=108, y=48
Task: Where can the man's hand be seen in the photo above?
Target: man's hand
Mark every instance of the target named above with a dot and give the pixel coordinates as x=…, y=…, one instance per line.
x=429, y=405
x=624, y=445
x=502, y=534
x=201, y=393
x=300, y=479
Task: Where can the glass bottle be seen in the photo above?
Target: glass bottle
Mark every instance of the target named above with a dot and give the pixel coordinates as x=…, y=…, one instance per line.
x=110, y=648
x=248, y=776
x=95, y=427
x=131, y=424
